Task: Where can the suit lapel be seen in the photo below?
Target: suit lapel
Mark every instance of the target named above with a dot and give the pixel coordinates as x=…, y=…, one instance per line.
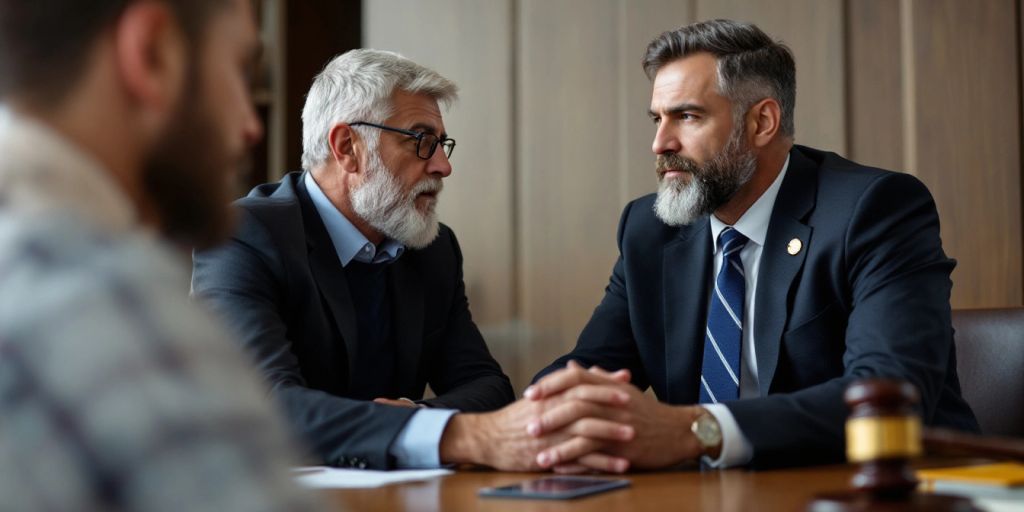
x=406, y=290
x=686, y=272
x=778, y=267
x=329, y=274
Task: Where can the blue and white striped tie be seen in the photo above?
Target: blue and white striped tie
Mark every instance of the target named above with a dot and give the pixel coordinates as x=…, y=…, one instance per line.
x=720, y=372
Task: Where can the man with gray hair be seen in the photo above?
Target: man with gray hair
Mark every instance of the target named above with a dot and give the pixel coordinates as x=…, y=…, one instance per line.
x=761, y=279
x=341, y=283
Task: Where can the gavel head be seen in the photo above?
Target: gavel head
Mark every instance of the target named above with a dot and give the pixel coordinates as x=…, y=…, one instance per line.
x=882, y=434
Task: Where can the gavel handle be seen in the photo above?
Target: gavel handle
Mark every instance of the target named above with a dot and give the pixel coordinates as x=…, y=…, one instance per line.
x=945, y=441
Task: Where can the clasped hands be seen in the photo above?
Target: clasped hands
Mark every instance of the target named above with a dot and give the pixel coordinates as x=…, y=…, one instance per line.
x=575, y=420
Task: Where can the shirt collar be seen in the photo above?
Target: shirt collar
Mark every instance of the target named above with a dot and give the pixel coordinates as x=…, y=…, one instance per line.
x=753, y=224
x=43, y=173
x=349, y=242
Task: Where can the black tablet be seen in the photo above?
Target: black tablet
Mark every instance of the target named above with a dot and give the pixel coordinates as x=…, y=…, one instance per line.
x=555, y=488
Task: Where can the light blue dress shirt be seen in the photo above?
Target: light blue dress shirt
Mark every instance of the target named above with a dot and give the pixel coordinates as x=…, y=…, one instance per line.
x=417, y=445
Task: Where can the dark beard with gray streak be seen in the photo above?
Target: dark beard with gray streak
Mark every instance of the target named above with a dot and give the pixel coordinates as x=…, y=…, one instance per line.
x=707, y=187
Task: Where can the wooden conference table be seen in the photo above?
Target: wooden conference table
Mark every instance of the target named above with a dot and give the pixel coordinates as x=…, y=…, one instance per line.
x=729, y=490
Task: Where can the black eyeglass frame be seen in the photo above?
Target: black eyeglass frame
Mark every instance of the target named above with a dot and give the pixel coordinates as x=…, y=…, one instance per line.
x=448, y=143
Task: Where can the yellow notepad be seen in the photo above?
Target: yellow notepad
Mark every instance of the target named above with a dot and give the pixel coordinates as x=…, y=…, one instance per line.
x=1004, y=474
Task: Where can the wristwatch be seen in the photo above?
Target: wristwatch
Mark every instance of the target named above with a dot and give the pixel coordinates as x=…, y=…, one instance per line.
x=708, y=433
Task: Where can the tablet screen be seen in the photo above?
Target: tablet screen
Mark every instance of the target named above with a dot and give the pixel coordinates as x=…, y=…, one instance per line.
x=556, y=487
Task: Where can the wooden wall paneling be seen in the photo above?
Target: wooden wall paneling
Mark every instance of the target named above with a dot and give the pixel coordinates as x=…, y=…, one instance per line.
x=813, y=29
x=554, y=140
x=569, y=202
x=583, y=152
x=316, y=31
x=641, y=21
x=967, y=140
x=469, y=42
x=273, y=56
x=875, y=87
x=267, y=160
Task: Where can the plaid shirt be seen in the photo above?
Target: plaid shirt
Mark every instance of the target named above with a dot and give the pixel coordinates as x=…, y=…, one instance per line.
x=116, y=392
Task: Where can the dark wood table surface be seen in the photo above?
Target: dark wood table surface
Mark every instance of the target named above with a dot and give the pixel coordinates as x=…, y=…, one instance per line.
x=729, y=490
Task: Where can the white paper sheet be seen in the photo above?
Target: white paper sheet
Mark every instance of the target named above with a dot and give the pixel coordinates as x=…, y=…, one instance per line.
x=999, y=505
x=323, y=477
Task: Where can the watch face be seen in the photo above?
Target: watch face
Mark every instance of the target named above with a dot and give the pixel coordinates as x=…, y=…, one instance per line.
x=707, y=430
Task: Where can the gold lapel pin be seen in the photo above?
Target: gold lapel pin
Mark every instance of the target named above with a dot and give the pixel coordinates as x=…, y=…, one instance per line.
x=794, y=247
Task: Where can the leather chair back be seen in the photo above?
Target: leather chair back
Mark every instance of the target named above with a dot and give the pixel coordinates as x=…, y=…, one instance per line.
x=990, y=364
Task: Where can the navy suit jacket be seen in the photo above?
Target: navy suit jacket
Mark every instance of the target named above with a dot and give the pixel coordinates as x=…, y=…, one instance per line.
x=868, y=295
x=280, y=286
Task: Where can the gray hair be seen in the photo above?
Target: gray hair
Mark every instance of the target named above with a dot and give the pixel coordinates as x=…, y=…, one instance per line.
x=751, y=66
x=357, y=86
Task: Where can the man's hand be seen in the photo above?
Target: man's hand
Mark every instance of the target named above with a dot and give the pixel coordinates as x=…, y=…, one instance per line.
x=506, y=439
x=662, y=436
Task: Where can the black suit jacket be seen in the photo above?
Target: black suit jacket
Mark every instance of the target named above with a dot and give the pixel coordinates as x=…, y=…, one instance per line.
x=868, y=295
x=280, y=286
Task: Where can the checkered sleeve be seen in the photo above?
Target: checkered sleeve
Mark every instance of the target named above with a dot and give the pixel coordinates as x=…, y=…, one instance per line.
x=116, y=393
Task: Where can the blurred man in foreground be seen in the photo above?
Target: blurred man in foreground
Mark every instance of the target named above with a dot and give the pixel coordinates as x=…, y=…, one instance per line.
x=126, y=118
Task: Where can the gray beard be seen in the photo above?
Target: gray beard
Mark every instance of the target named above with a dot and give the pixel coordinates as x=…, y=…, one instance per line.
x=380, y=202
x=679, y=203
x=683, y=200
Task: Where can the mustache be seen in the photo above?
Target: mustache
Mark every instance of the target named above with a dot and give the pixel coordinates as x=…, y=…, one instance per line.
x=676, y=162
x=431, y=185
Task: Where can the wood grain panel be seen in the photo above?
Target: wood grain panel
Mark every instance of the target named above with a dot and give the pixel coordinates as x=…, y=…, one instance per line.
x=554, y=140
x=568, y=95
x=641, y=21
x=968, y=140
x=316, y=31
x=813, y=29
x=584, y=151
x=470, y=42
x=874, y=71
x=475, y=52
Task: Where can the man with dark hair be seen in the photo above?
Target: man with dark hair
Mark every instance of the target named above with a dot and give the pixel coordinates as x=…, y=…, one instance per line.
x=760, y=280
x=123, y=122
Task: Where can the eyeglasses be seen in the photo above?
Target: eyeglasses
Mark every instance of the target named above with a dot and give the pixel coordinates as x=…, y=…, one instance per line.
x=426, y=143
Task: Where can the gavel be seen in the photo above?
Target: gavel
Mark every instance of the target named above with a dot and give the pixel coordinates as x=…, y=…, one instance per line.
x=883, y=433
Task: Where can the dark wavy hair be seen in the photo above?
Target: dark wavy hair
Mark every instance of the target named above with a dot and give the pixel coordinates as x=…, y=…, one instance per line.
x=751, y=66
x=44, y=44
